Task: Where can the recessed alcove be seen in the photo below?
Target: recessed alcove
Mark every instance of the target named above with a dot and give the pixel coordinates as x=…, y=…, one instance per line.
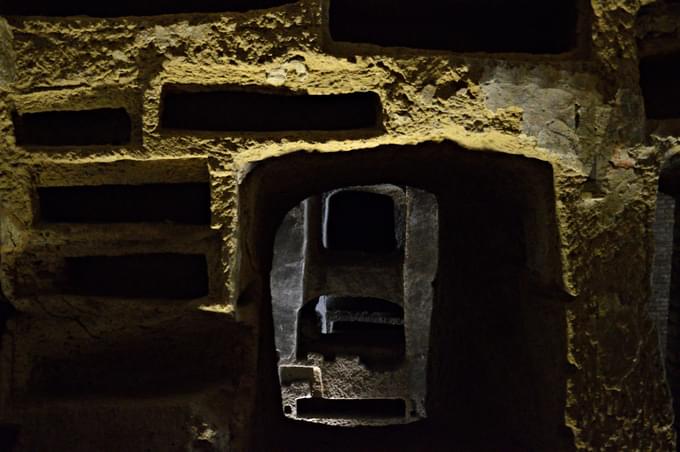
x=182, y=203
x=359, y=221
x=494, y=372
x=369, y=328
x=221, y=109
x=130, y=7
x=153, y=275
x=351, y=408
x=340, y=305
x=658, y=79
x=458, y=25
x=145, y=363
x=101, y=126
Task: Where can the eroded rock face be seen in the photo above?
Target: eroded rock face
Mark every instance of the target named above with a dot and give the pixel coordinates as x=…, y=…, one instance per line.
x=147, y=162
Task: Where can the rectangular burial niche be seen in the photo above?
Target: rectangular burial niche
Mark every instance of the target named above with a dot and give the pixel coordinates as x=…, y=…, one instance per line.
x=225, y=109
x=484, y=362
x=494, y=26
x=130, y=7
x=350, y=408
x=182, y=203
x=102, y=126
x=368, y=328
x=157, y=276
x=184, y=354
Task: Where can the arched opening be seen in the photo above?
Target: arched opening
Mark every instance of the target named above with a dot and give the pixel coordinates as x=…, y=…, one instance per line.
x=352, y=300
x=496, y=360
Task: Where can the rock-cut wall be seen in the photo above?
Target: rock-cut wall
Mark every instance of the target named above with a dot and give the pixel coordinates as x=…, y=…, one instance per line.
x=150, y=150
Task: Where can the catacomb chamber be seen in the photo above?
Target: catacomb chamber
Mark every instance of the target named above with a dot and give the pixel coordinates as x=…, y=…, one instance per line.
x=352, y=298
x=151, y=152
x=483, y=253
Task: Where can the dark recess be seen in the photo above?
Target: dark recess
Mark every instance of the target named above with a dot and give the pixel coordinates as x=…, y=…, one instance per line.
x=351, y=408
x=526, y=26
x=364, y=304
x=367, y=328
x=130, y=7
x=163, y=275
x=187, y=203
x=154, y=360
x=9, y=433
x=7, y=311
x=669, y=183
x=251, y=111
x=659, y=75
x=360, y=221
x=377, y=344
x=497, y=371
x=104, y=126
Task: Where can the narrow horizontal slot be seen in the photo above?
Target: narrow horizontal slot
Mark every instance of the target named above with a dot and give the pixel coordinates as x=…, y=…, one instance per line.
x=130, y=7
x=162, y=275
x=187, y=203
x=659, y=77
x=104, y=126
x=523, y=26
x=350, y=408
x=362, y=304
x=368, y=329
x=252, y=111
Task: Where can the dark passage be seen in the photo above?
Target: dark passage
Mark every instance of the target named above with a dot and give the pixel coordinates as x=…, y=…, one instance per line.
x=527, y=26
x=187, y=203
x=369, y=328
x=252, y=111
x=8, y=436
x=360, y=221
x=73, y=128
x=163, y=275
x=129, y=7
x=659, y=77
x=350, y=408
x=497, y=367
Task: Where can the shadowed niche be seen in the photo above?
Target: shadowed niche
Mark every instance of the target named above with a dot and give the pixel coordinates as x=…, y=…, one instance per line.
x=130, y=7
x=458, y=25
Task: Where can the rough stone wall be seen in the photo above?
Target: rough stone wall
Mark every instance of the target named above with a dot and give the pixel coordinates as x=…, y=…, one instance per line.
x=83, y=372
x=661, y=270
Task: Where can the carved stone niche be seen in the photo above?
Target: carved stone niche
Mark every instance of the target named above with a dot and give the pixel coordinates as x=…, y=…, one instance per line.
x=352, y=290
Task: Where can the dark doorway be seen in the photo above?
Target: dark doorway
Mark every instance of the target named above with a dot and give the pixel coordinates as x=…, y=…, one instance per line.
x=497, y=364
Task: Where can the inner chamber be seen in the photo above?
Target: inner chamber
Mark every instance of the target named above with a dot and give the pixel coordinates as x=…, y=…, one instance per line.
x=352, y=290
x=483, y=363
